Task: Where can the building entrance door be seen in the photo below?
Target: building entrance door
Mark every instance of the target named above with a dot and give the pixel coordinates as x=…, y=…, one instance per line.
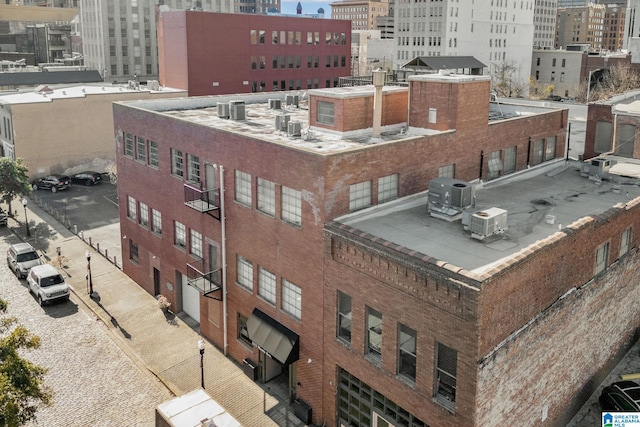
x=156, y=281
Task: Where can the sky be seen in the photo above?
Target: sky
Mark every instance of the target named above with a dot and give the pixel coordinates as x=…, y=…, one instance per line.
x=308, y=7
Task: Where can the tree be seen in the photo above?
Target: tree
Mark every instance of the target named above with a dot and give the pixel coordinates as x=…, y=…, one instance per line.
x=13, y=180
x=22, y=390
x=112, y=171
x=506, y=83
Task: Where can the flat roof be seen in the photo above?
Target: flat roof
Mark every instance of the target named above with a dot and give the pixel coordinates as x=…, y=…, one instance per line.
x=260, y=119
x=539, y=202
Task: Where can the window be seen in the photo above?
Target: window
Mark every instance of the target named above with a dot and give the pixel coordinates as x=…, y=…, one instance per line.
x=495, y=164
x=131, y=208
x=141, y=150
x=180, y=238
x=153, y=154
x=128, y=145
x=266, y=197
x=509, y=160
x=195, y=240
x=447, y=171
x=359, y=196
x=193, y=168
x=243, y=188
x=176, y=163
x=446, y=366
x=243, y=332
x=387, y=188
x=133, y=251
x=538, y=147
x=625, y=241
x=433, y=114
x=144, y=215
x=267, y=285
x=374, y=334
x=244, y=272
x=602, y=255
x=291, y=206
x=344, y=317
x=325, y=113
x=156, y=222
x=291, y=299
x=407, y=352
x=550, y=149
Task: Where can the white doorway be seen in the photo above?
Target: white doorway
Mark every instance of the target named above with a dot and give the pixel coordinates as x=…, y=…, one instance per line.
x=190, y=300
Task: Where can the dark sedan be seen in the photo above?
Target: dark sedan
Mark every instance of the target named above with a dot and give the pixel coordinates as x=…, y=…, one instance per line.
x=87, y=178
x=54, y=183
x=622, y=396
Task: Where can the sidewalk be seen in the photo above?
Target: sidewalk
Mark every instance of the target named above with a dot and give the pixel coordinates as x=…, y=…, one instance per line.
x=162, y=344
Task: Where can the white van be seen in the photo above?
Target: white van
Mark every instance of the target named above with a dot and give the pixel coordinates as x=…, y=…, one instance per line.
x=47, y=284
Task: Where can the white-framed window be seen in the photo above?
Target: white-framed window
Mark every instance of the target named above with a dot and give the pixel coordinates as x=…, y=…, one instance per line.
x=344, y=317
x=244, y=272
x=180, y=234
x=625, y=241
x=291, y=206
x=550, y=149
x=359, y=196
x=267, y=285
x=374, y=334
x=407, y=352
x=495, y=164
x=446, y=375
x=243, y=332
x=325, y=113
x=193, y=168
x=132, y=211
x=141, y=150
x=387, y=188
x=153, y=154
x=177, y=167
x=156, y=222
x=291, y=299
x=243, y=188
x=266, y=196
x=144, y=215
x=509, y=160
x=602, y=256
x=128, y=145
x=447, y=171
x=195, y=246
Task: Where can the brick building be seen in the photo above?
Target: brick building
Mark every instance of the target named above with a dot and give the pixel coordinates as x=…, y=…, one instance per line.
x=259, y=54
x=236, y=237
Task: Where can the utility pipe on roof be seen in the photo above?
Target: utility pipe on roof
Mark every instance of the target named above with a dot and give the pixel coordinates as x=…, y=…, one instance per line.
x=378, y=83
x=224, y=261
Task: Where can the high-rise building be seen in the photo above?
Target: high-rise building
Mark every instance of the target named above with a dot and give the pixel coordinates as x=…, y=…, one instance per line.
x=580, y=25
x=544, y=21
x=119, y=36
x=495, y=33
x=361, y=13
x=613, y=31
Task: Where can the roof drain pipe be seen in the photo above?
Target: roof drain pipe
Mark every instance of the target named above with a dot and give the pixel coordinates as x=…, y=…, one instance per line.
x=224, y=260
x=378, y=83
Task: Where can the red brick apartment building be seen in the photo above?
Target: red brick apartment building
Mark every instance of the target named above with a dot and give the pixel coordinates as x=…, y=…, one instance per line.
x=225, y=201
x=219, y=53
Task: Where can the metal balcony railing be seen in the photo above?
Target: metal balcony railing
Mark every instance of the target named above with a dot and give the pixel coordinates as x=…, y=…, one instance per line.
x=204, y=281
x=205, y=201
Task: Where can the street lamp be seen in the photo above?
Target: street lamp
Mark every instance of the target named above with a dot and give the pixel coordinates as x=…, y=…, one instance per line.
x=89, y=279
x=26, y=221
x=201, y=348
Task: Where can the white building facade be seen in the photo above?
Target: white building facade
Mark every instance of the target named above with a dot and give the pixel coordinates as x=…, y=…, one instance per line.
x=496, y=32
x=544, y=21
x=120, y=39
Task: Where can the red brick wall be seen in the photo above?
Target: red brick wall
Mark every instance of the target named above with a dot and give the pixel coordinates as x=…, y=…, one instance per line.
x=595, y=113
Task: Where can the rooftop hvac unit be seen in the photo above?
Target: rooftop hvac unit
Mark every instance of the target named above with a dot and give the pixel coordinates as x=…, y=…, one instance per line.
x=236, y=110
x=485, y=223
x=448, y=197
x=292, y=100
x=153, y=85
x=600, y=168
x=275, y=104
x=282, y=122
x=223, y=110
x=295, y=128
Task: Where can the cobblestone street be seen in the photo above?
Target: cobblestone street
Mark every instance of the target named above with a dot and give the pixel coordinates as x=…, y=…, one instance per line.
x=94, y=382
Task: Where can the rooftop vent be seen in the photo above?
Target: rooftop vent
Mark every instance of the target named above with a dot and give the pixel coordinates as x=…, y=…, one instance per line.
x=292, y=100
x=282, y=122
x=295, y=128
x=223, y=110
x=485, y=223
x=236, y=110
x=275, y=104
x=599, y=169
x=448, y=197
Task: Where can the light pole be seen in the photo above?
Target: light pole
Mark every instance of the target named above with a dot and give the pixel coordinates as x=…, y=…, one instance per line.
x=26, y=221
x=89, y=279
x=201, y=348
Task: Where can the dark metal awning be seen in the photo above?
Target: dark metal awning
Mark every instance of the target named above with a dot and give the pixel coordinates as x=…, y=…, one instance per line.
x=273, y=337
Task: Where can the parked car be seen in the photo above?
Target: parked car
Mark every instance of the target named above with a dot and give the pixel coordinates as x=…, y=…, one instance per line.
x=54, y=183
x=622, y=396
x=21, y=257
x=3, y=217
x=47, y=284
x=87, y=178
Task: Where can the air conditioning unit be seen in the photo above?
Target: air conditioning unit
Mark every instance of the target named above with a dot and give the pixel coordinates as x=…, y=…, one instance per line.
x=223, y=110
x=599, y=168
x=485, y=223
x=295, y=128
x=153, y=85
x=282, y=122
x=292, y=100
x=236, y=110
x=275, y=104
x=448, y=197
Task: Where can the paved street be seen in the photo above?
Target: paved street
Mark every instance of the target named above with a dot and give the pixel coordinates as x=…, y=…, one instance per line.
x=94, y=382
